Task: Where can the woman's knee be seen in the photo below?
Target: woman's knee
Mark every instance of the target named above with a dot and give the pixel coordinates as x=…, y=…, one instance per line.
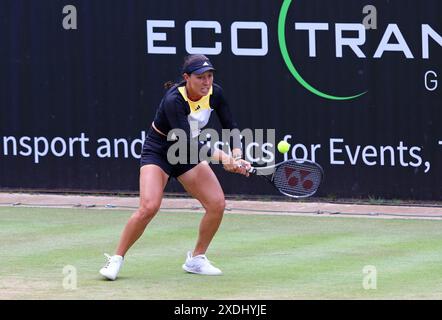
x=148, y=209
x=216, y=205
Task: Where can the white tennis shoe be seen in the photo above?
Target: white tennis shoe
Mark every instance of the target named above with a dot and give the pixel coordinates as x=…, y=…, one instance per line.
x=112, y=266
x=200, y=265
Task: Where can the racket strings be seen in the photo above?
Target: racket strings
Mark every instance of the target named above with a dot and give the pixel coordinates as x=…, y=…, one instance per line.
x=297, y=179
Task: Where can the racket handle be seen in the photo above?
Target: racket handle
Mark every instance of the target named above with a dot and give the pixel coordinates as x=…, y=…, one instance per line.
x=252, y=170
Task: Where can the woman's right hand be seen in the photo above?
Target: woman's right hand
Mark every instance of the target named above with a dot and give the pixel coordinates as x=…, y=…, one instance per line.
x=237, y=166
x=230, y=164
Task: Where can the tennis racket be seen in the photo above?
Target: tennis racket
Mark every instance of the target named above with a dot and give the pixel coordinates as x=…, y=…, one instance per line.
x=294, y=178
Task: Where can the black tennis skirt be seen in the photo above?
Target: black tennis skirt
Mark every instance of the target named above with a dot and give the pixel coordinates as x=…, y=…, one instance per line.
x=154, y=152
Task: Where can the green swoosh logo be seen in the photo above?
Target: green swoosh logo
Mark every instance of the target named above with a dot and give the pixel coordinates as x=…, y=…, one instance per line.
x=283, y=47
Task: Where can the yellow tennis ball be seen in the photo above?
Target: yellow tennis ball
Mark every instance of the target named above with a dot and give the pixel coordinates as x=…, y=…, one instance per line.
x=283, y=146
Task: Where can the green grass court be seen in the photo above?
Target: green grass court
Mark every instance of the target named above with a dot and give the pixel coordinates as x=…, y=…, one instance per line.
x=262, y=257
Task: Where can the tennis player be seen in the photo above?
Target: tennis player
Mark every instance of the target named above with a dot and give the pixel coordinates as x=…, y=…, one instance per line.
x=193, y=99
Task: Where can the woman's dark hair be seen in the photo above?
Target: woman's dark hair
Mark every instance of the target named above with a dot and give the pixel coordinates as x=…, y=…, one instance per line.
x=188, y=60
x=169, y=84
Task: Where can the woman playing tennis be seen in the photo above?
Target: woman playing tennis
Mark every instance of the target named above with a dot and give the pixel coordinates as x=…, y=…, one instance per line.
x=190, y=101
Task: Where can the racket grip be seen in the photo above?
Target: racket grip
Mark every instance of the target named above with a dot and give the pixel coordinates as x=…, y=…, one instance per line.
x=251, y=170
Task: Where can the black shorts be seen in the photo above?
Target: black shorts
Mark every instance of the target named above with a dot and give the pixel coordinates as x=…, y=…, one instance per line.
x=155, y=152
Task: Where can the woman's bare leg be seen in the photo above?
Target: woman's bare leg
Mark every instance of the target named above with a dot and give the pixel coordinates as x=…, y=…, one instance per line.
x=202, y=183
x=152, y=183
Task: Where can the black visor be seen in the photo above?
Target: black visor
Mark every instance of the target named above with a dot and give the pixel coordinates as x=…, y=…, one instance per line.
x=199, y=66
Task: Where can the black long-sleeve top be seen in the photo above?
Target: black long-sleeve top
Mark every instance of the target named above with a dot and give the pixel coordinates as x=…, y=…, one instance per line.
x=176, y=111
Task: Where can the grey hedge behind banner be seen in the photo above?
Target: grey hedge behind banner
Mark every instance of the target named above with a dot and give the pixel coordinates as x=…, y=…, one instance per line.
x=351, y=85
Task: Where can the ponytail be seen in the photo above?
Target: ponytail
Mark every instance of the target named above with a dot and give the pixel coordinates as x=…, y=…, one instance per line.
x=169, y=84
